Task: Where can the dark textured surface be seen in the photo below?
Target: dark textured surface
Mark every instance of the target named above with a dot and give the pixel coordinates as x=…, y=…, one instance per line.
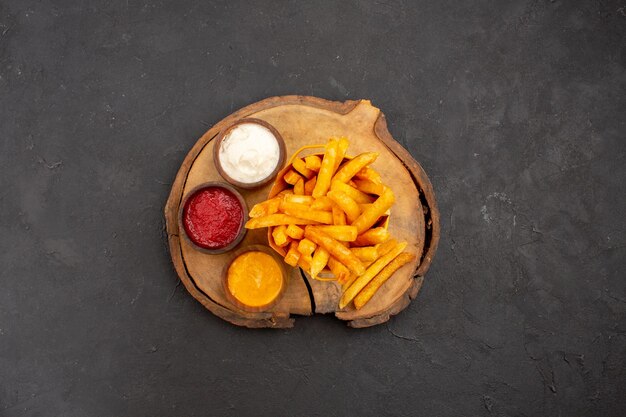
x=515, y=109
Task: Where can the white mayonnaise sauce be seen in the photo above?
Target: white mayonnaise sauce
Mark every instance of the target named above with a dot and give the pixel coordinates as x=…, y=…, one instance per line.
x=249, y=153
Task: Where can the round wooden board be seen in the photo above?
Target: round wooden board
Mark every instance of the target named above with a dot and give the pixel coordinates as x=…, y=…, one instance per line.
x=303, y=120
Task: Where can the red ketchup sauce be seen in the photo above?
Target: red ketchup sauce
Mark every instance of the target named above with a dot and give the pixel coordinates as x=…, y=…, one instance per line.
x=212, y=217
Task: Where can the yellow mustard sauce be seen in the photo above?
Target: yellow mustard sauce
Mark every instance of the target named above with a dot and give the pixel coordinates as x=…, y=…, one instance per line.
x=255, y=278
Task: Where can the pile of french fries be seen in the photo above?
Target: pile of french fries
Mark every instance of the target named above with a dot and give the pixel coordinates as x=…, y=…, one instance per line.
x=330, y=220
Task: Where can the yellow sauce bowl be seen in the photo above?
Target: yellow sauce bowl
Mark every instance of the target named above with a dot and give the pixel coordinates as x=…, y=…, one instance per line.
x=255, y=279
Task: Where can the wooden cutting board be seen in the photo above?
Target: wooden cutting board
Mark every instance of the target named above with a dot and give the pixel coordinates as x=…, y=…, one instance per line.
x=301, y=121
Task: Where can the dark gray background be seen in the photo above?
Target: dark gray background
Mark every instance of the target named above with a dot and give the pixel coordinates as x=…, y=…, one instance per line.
x=515, y=110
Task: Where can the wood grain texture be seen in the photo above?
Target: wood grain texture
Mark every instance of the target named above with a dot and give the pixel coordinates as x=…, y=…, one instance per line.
x=302, y=121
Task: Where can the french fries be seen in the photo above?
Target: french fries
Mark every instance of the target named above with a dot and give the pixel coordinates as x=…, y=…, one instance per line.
x=285, y=192
x=293, y=256
x=365, y=253
x=345, y=203
x=338, y=232
x=298, y=199
x=325, y=174
x=298, y=188
x=368, y=173
x=373, y=236
x=294, y=232
x=309, y=185
x=373, y=270
x=370, y=289
x=265, y=208
x=356, y=164
x=322, y=203
x=292, y=177
x=305, y=262
x=300, y=166
x=358, y=196
x=331, y=214
x=336, y=249
x=306, y=247
x=276, y=220
x=339, y=217
x=313, y=162
x=302, y=211
x=373, y=212
x=364, y=207
x=319, y=261
x=369, y=187
x=280, y=235
x=342, y=147
x=339, y=270
x=385, y=247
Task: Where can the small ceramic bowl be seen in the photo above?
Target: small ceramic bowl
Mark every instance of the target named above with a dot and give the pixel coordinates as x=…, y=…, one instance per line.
x=226, y=131
x=233, y=299
x=242, y=230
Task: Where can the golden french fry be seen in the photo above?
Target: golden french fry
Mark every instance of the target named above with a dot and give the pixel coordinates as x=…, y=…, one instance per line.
x=273, y=205
x=372, y=287
x=350, y=168
x=358, y=196
x=320, y=259
x=323, y=217
x=276, y=220
x=322, y=203
x=339, y=270
x=294, y=232
x=293, y=256
x=299, y=187
x=285, y=192
x=342, y=147
x=386, y=247
x=280, y=236
x=340, y=233
x=369, y=173
x=303, y=211
x=372, y=213
x=336, y=249
x=351, y=278
x=305, y=262
x=265, y=208
x=366, y=253
x=364, y=207
x=345, y=203
x=293, y=207
x=369, y=187
x=339, y=217
x=292, y=177
x=313, y=162
x=306, y=247
x=298, y=199
x=309, y=185
x=299, y=165
x=326, y=171
x=369, y=274
x=372, y=237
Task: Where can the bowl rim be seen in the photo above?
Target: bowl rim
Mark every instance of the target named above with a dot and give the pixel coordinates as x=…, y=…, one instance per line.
x=254, y=248
x=244, y=218
x=281, y=150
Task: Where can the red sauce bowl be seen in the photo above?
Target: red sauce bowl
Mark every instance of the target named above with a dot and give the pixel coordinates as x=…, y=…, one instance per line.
x=212, y=217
